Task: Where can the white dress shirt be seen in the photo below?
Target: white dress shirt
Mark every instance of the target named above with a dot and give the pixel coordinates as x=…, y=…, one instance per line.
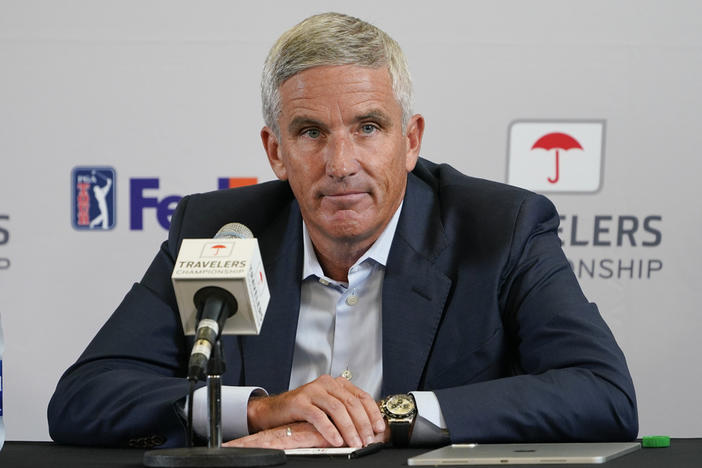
x=339, y=332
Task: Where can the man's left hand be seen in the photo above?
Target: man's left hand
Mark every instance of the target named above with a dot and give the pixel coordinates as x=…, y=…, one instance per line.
x=295, y=435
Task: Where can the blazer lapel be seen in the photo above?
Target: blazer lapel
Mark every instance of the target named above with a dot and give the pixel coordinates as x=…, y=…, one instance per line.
x=414, y=290
x=268, y=356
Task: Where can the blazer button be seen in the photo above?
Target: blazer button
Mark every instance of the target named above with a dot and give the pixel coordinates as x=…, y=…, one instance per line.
x=147, y=442
x=157, y=440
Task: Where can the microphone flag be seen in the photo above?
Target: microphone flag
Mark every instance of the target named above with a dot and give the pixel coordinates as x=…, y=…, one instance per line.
x=233, y=264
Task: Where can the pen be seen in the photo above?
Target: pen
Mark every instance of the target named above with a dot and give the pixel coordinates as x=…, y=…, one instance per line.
x=367, y=450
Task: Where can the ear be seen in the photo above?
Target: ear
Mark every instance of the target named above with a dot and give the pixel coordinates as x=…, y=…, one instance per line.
x=413, y=136
x=272, y=148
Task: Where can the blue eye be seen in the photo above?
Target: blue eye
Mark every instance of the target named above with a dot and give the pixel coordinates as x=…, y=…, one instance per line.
x=312, y=132
x=368, y=128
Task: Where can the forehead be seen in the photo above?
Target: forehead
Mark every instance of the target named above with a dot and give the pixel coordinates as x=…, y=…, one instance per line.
x=338, y=89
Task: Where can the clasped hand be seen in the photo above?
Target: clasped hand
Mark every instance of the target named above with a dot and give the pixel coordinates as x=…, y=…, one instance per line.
x=327, y=412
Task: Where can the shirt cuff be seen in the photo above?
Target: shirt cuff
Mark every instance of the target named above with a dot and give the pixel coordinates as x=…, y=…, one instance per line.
x=234, y=405
x=430, y=425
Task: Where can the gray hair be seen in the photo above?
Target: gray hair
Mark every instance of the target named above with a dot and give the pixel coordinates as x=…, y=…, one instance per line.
x=332, y=39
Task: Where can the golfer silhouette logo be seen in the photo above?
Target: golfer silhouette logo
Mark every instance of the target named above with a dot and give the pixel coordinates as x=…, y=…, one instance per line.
x=100, y=192
x=94, y=198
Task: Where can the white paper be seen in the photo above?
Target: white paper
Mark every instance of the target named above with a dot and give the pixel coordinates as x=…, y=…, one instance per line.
x=321, y=451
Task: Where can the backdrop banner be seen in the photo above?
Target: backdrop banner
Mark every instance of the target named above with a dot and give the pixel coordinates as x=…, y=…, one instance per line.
x=111, y=111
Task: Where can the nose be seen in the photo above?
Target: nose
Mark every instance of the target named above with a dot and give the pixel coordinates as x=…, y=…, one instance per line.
x=341, y=159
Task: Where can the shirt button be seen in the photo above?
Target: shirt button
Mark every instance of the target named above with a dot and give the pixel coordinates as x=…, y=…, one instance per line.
x=323, y=281
x=352, y=300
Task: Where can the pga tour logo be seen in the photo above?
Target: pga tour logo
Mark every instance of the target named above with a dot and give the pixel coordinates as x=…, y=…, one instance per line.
x=556, y=156
x=93, y=198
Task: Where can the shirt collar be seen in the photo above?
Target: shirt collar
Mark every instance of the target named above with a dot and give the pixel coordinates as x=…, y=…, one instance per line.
x=377, y=252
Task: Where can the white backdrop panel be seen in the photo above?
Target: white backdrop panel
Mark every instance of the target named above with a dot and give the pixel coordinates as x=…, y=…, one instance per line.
x=169, y=90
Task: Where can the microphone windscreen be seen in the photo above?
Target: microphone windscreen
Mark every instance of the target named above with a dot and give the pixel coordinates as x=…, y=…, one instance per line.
x=234, y=230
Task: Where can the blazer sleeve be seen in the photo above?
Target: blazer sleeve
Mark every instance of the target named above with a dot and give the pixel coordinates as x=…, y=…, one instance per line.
x=124, y=389
x=569, y=379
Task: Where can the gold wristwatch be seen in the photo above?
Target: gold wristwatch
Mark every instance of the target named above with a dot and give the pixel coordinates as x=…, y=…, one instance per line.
x=400, y=412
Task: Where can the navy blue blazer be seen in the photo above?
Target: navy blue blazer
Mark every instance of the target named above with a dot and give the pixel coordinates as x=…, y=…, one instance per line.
x=479, y=305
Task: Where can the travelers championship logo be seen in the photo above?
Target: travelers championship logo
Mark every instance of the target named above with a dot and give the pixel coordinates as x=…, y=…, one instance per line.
x=217, y=249
x=93, y=198
x=567, y=156
x=556, y=156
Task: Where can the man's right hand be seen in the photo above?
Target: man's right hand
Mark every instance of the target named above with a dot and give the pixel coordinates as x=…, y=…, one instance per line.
x=341, y=412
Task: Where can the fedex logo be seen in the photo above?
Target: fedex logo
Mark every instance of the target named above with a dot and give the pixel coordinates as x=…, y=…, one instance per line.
x=142, y=198
x=234, y=182
x=140, y=201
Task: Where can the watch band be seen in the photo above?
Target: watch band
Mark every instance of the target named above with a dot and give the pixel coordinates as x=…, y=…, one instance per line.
x=401, y=432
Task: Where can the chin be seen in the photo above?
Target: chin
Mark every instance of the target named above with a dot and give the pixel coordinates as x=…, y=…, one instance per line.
x=347, y=226
x=346, y=231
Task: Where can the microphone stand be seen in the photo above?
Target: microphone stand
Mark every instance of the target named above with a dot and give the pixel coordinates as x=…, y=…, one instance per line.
x=215, y=369
x=214, y=455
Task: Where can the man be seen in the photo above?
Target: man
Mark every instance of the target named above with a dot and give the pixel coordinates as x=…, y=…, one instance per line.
x=389, y=274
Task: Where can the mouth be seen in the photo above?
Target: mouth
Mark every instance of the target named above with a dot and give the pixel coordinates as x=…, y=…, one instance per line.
x=349, y=193
x=344, y=199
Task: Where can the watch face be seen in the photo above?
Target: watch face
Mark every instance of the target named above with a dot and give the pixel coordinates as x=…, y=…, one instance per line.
x=400, y=405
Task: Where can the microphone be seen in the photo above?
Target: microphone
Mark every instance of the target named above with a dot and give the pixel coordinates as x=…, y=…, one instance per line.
x=217, y=305
x=214, y=279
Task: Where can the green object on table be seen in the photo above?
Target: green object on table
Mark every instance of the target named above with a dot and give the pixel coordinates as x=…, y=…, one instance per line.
x=655, y=441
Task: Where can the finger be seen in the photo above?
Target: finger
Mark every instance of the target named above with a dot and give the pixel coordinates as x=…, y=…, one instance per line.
x=293, y=406
x=364, y=412
x=347, y=413
x=336, y=411
x=376, y=417
x=297, y=435
x=317, y=402
x=321, y=402
x=369, y=404
x=319, y=419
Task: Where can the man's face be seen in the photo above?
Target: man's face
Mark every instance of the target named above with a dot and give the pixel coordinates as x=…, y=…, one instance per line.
x=343, y=151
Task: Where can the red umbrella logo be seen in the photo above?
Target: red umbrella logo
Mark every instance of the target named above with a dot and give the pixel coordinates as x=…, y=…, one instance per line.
x=218, y=247
x=557, y=141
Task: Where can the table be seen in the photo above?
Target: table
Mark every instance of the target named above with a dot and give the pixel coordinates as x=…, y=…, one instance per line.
x=682, y=453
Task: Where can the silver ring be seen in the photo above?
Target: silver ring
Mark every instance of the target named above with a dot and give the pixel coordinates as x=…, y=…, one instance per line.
x=288, y=432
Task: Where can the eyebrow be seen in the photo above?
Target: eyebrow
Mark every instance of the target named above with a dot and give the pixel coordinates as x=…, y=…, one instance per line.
x=376, y=115
x=300, y=122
